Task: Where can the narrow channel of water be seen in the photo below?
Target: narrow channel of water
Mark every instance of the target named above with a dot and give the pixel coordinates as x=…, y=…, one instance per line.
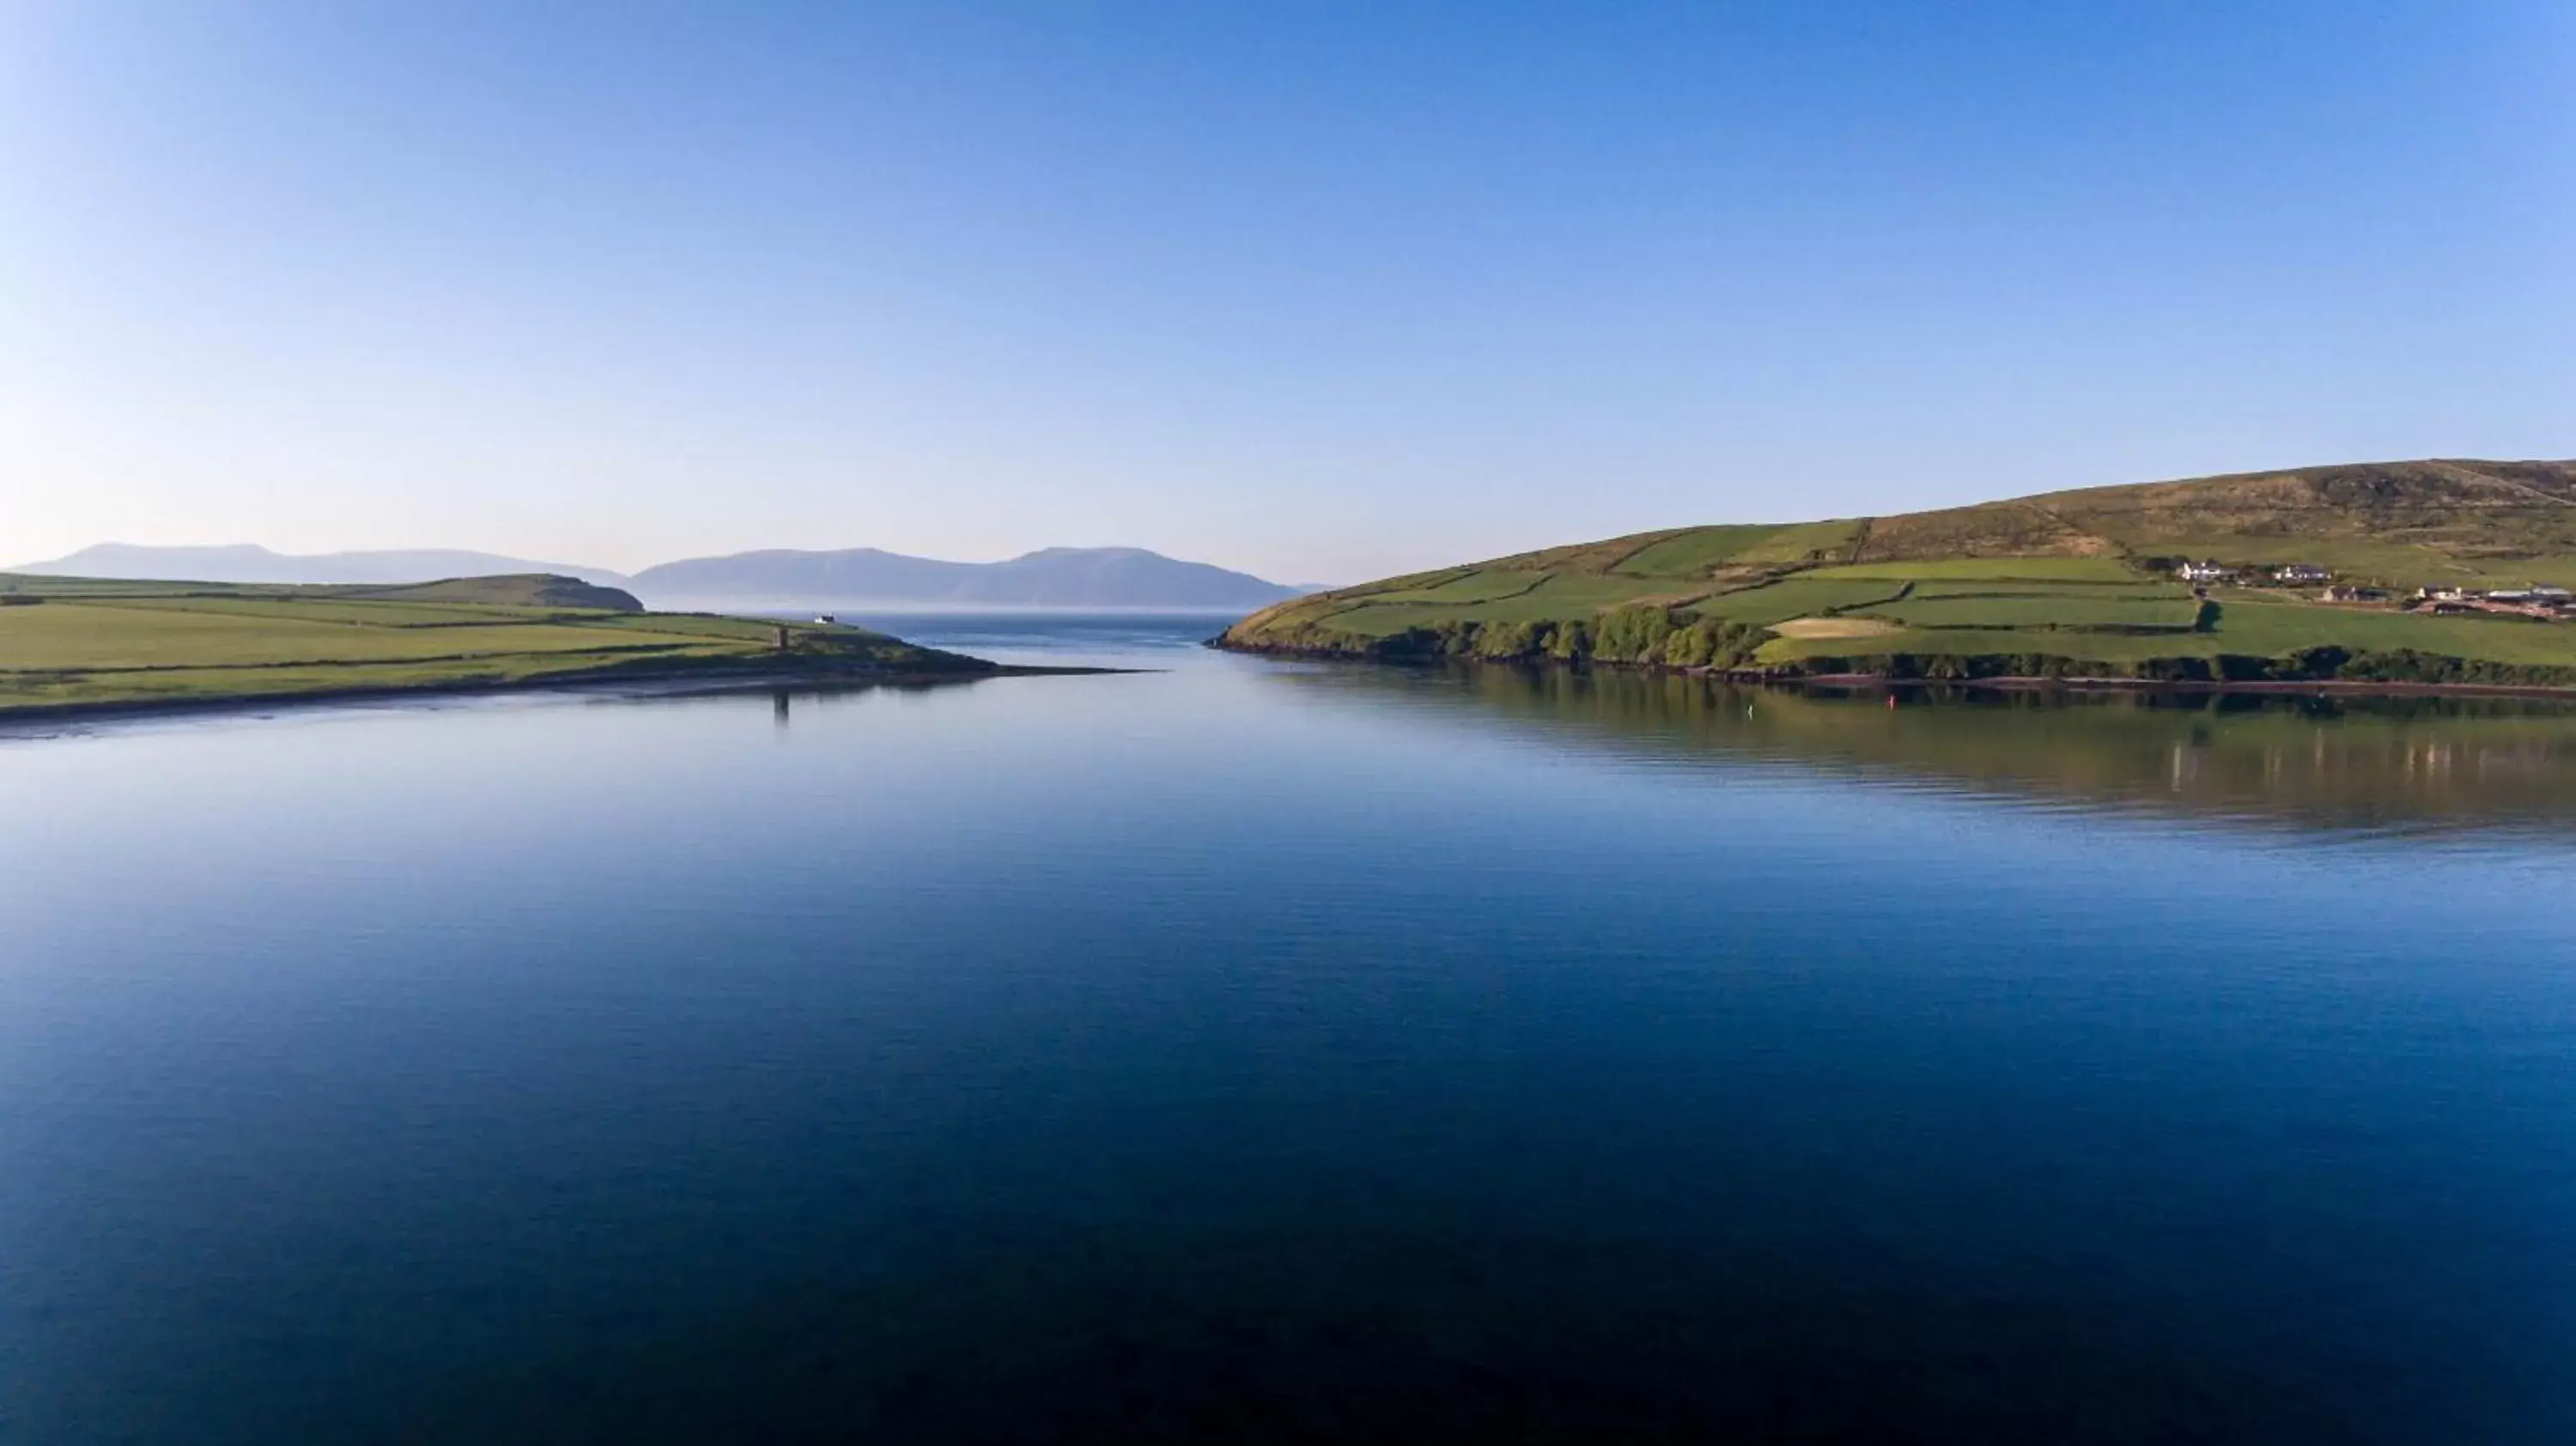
x=1272, y=1051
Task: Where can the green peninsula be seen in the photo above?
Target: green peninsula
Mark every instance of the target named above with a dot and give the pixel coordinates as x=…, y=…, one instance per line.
x=2454, y=572
x=80, y=644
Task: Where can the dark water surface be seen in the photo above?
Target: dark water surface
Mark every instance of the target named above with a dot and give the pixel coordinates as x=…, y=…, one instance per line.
x=1255, y=1051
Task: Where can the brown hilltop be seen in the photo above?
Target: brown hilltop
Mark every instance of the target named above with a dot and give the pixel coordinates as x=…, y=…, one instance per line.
x=2464, y=508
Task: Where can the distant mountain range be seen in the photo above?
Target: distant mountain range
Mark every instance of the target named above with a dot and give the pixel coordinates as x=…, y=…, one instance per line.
x=1050, y=577
x=246, y=563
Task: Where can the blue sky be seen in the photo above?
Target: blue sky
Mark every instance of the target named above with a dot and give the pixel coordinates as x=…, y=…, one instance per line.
x=1325, y=292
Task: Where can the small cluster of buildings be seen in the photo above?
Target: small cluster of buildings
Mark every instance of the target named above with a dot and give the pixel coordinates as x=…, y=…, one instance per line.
x=2541, y=600
x=2293, y=574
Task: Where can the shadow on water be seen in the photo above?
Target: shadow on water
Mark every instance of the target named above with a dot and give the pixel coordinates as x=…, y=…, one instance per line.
x=2344, y=764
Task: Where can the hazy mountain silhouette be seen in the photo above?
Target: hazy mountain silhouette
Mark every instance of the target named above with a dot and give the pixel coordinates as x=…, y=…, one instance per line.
x=247, y=563
x=1050, y=577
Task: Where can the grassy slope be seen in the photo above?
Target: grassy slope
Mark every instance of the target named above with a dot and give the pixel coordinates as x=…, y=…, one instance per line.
x=509, y=590
x=75, y=642
x=2061, y=575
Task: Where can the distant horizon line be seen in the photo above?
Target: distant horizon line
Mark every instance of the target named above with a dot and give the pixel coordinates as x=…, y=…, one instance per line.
x=263, y=550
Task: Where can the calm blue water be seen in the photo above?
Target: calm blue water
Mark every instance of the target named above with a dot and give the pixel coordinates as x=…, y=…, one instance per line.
x=1271, y=1052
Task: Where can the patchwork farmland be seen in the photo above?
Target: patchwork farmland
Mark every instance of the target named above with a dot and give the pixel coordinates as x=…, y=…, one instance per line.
x=2172, y=580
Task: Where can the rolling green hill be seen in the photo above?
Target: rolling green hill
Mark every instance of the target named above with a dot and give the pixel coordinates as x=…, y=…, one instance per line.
x=528, y=589
x=85, y=643
x=2068, y=583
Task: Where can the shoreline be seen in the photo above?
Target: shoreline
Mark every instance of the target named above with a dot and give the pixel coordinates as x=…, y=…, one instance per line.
x=2273, y=687
x=631, y=686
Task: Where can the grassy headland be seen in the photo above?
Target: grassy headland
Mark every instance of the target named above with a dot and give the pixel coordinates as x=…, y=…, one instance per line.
x=76, y=643
x=2071, y=584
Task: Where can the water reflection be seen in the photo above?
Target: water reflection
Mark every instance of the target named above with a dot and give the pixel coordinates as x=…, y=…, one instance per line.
x=2388, y=764
x=1250, y=1051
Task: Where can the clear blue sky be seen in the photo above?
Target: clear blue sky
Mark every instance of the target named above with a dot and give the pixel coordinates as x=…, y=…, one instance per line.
x=1320, y=291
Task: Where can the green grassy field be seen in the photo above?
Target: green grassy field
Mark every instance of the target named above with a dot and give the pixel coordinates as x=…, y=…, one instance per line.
x=2078, y=578
x=75, y=642
x=1700, y=549
x=1797, y=597
x=2064, y=570
x=1999, y=610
